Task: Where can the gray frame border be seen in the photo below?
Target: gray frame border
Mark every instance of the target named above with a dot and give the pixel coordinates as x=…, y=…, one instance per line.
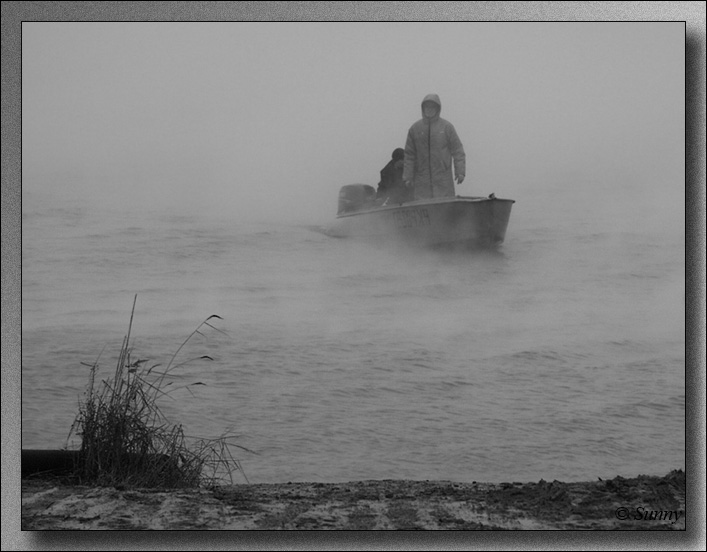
x=13, y=13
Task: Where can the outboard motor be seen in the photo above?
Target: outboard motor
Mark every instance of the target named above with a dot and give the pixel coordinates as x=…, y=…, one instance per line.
x=354, y=197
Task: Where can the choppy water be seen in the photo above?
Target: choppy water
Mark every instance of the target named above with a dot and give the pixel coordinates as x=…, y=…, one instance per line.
x=561, y=356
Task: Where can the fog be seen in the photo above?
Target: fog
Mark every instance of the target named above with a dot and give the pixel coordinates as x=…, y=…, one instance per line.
x=266, y=121
x=583, y=124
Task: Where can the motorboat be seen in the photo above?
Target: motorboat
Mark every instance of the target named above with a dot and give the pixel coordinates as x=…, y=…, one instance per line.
x=458, y=221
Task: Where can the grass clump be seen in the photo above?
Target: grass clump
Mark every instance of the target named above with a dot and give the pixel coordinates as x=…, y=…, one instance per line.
x=127, y=441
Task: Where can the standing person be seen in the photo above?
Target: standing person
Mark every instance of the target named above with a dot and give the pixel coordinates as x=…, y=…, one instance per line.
x=432, y=144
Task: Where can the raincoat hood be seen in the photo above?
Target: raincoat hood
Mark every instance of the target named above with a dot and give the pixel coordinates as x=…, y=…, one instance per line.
x=434, y=98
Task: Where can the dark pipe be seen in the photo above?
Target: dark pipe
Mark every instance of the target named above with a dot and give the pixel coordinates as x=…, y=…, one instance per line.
x=64, y=462
x=48, y=462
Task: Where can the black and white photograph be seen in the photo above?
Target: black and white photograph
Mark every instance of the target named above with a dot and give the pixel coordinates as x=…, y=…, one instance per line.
x=353, y=275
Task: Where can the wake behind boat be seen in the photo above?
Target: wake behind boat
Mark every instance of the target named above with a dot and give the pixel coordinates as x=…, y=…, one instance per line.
x=457, y=221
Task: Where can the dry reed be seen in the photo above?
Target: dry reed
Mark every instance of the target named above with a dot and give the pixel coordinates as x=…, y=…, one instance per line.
x=127, y=441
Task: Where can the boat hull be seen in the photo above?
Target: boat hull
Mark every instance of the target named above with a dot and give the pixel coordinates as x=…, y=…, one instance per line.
x=453, y=221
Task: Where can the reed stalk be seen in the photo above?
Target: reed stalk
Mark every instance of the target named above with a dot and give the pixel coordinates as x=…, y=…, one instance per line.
x=127, y=441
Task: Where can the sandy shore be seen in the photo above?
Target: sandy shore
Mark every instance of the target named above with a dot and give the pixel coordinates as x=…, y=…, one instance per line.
x=627, y=504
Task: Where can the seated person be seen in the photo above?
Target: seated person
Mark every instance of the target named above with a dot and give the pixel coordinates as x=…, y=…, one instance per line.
x=391, y=186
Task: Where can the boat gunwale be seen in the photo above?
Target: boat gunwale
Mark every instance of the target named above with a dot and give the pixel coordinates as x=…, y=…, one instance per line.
x=423, y=203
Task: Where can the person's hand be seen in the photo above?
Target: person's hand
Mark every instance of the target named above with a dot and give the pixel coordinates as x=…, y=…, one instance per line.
x=460, y=179
x=407, y=183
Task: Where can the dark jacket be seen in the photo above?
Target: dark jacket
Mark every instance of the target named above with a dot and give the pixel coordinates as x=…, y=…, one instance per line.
x=391, y=183
x=432, y=146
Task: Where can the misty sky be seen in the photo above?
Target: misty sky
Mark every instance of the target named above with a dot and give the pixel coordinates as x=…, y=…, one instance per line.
x=270, y=119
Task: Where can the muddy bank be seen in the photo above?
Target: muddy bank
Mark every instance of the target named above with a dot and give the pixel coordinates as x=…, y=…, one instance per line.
x=642, y=503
